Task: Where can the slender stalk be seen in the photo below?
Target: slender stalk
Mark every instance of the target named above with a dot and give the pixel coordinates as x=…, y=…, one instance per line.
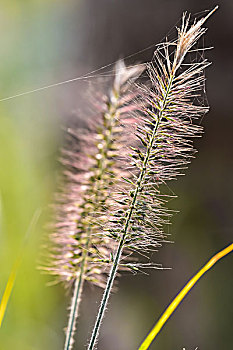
x=78, y=288
x=79, y=282
x=179, y=298
x=118, y=254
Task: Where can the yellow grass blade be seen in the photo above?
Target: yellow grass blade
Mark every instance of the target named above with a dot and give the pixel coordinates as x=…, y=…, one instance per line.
x=12, y=277
x=178, y=299
x=8, y=289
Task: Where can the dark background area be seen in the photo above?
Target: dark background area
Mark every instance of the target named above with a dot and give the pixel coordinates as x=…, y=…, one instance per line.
x=113, y=29
x=60, y=41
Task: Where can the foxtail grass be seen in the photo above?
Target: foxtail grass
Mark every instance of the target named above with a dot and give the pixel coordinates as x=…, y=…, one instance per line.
x=79, y=251
x=165, y=128
x=111, y=202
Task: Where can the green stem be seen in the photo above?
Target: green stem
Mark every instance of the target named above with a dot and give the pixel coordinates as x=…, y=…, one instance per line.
x=118, y=254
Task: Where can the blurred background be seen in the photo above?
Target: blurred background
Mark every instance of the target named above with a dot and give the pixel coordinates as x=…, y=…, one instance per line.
x=45, y=42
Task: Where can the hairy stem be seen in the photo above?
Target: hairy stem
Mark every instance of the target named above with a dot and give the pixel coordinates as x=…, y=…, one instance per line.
x=78, y=287
x=79, y=282
x=120, y=248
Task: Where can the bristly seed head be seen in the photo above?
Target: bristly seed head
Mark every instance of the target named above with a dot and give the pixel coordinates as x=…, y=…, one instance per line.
x=165, y=126
x=91, y=167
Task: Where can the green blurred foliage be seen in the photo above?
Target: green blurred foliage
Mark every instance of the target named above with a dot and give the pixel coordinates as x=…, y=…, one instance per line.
x=30, y=46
